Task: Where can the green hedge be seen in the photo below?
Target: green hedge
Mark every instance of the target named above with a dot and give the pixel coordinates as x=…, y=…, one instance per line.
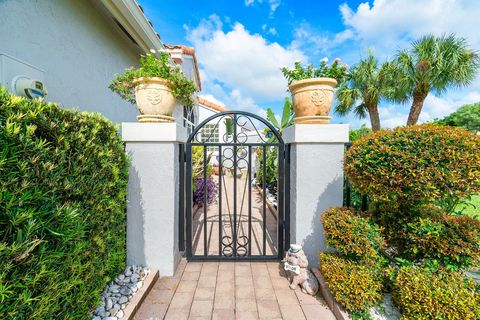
x=416, y=165
x=63, y=177
x=357, y=286
x=355, y=237
x=426, y=294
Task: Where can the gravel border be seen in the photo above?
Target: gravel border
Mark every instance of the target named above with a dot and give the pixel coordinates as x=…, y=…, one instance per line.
x=119, y=292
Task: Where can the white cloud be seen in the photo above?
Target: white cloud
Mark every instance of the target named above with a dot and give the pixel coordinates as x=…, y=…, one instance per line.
x=270, y=30
x=313, y=41
x=241, y=60
x=273, y=4
x=392, y=24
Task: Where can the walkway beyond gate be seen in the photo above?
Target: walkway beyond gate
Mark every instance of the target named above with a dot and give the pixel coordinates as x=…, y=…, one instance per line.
x=243, y=157
x=230, y=291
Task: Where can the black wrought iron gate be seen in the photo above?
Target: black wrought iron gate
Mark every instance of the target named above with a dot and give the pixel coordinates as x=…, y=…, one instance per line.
x=234, y=174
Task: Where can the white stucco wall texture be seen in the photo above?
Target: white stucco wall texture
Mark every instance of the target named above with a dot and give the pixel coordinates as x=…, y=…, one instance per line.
x=78, y=47
x=316, y=181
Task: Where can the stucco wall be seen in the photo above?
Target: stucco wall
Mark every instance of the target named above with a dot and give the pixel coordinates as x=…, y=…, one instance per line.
x=77, y=47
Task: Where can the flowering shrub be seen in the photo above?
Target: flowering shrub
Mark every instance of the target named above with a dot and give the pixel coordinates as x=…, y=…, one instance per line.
x=336, y=71
x=453, y=240
x=355, y=285
x=415, y=165
x=425, y=294
x=182, y=87
x=354, y=236
x=199, y=190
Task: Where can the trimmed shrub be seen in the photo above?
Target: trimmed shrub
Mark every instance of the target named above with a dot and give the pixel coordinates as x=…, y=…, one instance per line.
x=425, y=294
x=452, y=240
x=355, y=285
x=354, y=236
x=415, y=165
x=63, y=178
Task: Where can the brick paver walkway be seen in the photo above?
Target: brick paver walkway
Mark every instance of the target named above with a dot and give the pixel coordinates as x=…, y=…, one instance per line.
x=230, y=290
x=242, y=206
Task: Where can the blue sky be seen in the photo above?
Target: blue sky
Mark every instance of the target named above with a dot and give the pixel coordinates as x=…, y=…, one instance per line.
x=241, y=44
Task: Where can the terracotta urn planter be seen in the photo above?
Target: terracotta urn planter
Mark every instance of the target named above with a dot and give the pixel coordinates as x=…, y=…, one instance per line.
x=155, y=100
x=312, y=100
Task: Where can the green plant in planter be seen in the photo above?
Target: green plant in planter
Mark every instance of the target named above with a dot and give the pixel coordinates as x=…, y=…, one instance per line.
x=336, y=71
x=151, y=66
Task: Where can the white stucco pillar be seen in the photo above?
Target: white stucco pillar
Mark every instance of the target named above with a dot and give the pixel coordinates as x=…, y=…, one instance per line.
x=153, y=190
x=316, y=180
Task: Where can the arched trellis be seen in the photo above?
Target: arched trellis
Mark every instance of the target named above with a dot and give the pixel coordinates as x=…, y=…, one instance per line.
x=241, y=219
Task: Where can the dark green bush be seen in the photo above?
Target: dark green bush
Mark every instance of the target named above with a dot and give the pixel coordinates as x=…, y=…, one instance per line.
x=415, y=165
x=354, y=236
x=425, y=294
x=271, y=166
x=450, y=240
x=355, y=285
x=63, y=177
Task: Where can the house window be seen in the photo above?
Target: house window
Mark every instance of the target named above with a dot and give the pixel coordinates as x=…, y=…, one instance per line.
x=188, y=119
x=210, y=135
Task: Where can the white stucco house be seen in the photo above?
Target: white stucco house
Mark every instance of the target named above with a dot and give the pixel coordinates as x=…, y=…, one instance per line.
x=75, y=48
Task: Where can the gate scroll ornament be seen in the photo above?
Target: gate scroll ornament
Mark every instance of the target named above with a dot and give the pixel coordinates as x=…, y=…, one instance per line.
x=235, y=148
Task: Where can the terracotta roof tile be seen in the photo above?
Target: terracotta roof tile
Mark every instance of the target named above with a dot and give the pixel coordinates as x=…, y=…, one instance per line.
x=211, y=105
x=191, y=52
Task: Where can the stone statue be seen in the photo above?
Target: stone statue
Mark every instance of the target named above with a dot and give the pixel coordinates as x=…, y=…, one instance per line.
x=296, y=265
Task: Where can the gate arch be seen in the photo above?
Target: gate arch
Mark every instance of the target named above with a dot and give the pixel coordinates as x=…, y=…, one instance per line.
x=230, y=177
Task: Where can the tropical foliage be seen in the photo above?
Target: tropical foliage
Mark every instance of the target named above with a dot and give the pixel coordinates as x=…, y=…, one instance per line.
x=336, y=70
x=357, y=286
x=452, y=241
x=367, y=84
x=412, y=166
x=151, y=66
x=467, y=116
x=356, y=134
x=63, y=182
x=287, y=117
x=423, y=293
x=356, y=237
x=433, y=64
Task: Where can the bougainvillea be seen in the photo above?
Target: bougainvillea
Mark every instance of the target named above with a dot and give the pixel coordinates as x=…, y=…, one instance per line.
x=414, y=165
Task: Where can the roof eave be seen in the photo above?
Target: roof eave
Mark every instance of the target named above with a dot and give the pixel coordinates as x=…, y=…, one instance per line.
x=131, y=17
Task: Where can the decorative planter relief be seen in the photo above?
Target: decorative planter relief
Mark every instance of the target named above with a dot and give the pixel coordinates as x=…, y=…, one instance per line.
x=312, y=99
x=155, y=100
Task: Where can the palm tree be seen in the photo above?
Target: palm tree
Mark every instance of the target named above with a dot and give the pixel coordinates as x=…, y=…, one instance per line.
x=433, y=64
x=368, y=83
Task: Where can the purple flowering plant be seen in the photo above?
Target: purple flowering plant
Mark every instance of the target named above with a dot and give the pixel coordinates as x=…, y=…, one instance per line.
x=199, y=190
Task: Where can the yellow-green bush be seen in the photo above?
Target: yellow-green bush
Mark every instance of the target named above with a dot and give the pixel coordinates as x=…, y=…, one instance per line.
x=63, y=177
x=354, y=236
x=415, y=165
x=355, y=285
x=427, y=294
x=450, y=240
